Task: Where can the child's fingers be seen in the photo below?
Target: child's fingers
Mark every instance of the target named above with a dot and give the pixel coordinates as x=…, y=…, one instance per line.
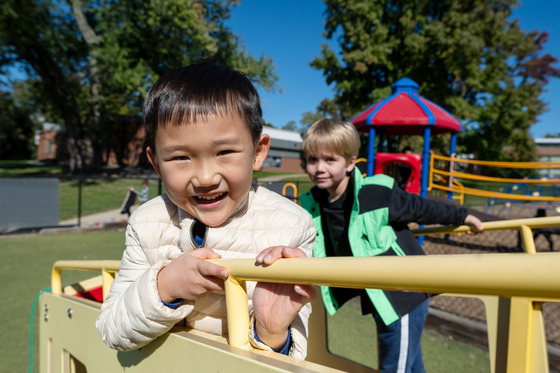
x=293, y=252
x=207, y=268
x=308, y=292
x=271, y=254
x=214, y=270
x=214, y=283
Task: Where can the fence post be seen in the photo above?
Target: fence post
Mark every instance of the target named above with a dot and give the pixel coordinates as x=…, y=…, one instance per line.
x=79, y=201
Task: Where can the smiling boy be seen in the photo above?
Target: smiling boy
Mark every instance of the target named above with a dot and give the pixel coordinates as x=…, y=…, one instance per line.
x=204, y=130
x=357, y=216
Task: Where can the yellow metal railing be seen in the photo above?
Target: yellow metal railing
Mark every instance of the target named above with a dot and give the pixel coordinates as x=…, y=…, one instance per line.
x=524, y=226
x=293, y=186
x=522, y=280
x=108, y=269
x=452, y=174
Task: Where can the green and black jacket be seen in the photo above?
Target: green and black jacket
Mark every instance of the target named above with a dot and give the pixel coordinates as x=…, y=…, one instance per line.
x=378, y=225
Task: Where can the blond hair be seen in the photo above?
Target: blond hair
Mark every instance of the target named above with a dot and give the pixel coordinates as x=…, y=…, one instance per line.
x=334, y=135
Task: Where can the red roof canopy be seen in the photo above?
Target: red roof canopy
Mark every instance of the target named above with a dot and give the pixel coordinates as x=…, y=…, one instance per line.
x=405, y=112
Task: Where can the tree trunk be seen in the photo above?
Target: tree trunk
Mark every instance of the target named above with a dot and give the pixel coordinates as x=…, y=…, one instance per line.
x=84, y=145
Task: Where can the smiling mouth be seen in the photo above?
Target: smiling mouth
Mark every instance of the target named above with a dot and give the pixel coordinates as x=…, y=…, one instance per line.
x=210, y=199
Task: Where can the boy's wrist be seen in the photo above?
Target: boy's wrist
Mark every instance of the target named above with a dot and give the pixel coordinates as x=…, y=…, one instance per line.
x=274, y=340
x=285, y=349
x=164, y=295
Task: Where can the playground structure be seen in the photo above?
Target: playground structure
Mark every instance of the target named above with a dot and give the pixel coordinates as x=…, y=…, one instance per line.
x=407, y=113
x=515, y=197
x=512, y=286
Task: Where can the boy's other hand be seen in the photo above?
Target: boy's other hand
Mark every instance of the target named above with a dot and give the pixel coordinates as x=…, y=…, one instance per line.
x=473, y=221
x=277, y=305
x=190, y=276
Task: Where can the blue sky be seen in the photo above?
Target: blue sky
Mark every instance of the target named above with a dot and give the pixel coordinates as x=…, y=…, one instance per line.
x=290, y=31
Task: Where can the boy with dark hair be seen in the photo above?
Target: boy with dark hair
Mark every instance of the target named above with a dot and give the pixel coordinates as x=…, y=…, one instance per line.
x=356, y=216
x=204, y=129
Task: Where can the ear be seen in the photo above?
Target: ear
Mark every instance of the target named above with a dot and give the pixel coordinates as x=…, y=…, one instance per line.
x=261, y=151
x=351, y=164
x=153, y=160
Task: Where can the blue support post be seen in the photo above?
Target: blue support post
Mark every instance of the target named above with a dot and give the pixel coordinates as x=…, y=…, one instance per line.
x=452, y=150
x=371, y=151
x=425, y=170
x=425, y=162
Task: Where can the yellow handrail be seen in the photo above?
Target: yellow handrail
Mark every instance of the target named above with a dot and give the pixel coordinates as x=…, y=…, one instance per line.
x=494, y=274
x=464, y=175
x=108, y=269
x=452, y=174
x=536, y=165
x=551, y=221
x=294, y=187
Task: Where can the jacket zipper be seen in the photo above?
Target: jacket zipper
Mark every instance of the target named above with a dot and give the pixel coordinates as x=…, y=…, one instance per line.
x=195, y=244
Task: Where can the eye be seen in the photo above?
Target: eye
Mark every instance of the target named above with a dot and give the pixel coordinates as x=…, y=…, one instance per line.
x=180, y=158
x=311, y=160
x=225, y=152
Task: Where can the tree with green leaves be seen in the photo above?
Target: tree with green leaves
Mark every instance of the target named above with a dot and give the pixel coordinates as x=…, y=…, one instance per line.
x=469, y=57
x=93, y=61
x=15, y=127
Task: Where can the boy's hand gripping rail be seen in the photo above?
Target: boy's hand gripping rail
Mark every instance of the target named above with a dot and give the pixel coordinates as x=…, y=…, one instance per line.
x=505, y=275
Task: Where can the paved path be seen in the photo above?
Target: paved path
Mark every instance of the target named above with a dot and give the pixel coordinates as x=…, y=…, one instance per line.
x=99, y=220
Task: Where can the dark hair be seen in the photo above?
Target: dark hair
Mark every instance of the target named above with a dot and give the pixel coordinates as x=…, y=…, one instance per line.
x=196, y=91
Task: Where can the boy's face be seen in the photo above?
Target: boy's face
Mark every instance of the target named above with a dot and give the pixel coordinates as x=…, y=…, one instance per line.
x=329, y=171
x=207, y=166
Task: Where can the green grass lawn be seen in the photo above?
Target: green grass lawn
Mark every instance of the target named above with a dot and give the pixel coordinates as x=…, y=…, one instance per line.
x=27, y=168
x=353, y=336
x=27, y=261
x=98, y=195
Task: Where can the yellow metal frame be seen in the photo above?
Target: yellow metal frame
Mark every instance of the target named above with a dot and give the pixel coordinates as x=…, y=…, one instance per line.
x=294, y=187
x=457, y=188
x=522, y=281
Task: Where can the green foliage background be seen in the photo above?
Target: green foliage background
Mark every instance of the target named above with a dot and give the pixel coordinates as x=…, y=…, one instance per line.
x=89, y=64
x=469, y=57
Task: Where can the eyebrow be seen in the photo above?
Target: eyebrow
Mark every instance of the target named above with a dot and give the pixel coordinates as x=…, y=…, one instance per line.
x=172, y=148
x=226, y=141
x=220, y=141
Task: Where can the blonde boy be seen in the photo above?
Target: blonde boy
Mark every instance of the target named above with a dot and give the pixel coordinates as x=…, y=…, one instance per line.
x=356, y=216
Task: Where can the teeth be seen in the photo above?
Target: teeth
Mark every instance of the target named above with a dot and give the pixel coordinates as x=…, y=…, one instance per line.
x=211, y=198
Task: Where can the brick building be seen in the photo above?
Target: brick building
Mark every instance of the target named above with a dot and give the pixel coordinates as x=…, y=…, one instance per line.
x=45, y=140
x=128, y=146
x=285, y=151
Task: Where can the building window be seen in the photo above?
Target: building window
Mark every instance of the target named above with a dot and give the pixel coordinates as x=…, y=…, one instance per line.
x=272, y=162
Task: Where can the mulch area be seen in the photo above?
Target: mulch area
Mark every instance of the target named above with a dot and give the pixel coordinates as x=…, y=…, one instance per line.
x=489, y=242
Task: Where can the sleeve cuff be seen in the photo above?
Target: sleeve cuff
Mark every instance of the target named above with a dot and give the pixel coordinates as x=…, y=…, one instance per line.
x=284, y=350
x=176, y=303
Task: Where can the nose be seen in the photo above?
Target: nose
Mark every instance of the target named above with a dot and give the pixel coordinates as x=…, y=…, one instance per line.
x=206, y=174
x=320, y=166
